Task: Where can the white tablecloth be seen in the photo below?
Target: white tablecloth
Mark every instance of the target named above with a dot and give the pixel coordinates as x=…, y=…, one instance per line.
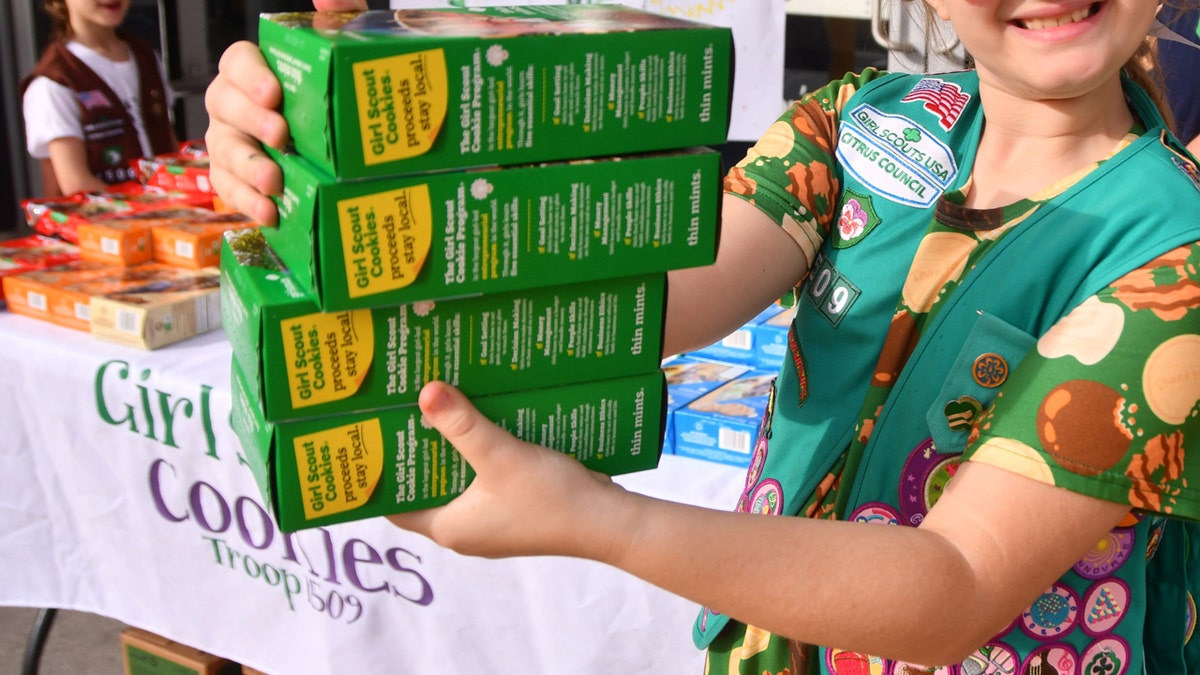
x=121, y=493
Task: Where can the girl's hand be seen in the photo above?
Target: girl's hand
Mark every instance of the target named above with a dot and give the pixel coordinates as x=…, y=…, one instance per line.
x=524, y=500
x=242, y=103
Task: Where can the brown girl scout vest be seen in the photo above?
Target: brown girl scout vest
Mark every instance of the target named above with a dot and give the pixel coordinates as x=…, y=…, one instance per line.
x=109, y=134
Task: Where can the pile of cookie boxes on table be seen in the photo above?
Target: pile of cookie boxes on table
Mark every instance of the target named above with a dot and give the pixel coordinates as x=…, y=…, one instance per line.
x=135, y=264
x=487, y=197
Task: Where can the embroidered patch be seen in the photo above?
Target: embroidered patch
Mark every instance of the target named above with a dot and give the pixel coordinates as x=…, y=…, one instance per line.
x=93, y=99
x=1155, y=539
x=1109, y=656
x=923, y=480
x=1107, y=555
x=1188, y=170
x=840, y=662
x=1055, y=659
x=856, y=220
x=798, y=364
x=895, y=157
x=994, y=658
x=757, y=459
x=112, y=155
x=1052, y=614
x=904, y=668
x=831, y=293
x=1104, y=605
x=767, y=498
x=876, y=513
x=945, y=100
x=1191, y=619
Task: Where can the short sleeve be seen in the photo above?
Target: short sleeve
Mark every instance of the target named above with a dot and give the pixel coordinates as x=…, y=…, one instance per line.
x=1105, y=404
x=789, y=173
x=51, y=112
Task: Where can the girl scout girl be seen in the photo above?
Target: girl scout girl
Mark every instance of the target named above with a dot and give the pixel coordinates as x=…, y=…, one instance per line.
x=96, y=100
x=979, y=445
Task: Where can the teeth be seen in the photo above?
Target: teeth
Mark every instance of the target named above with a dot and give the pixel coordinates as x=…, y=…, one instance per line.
x=1077, y=15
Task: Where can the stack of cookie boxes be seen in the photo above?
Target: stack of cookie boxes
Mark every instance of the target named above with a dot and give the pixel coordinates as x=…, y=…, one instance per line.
x=717, y=395
x=488, y=197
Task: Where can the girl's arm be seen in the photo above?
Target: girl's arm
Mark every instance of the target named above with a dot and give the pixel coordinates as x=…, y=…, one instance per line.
x=930, y=595
x=68, y=157
x=757, y=262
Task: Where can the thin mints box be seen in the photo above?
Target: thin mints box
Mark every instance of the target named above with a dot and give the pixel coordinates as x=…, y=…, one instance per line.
x=390, y=241
x=387, y=92
x=301, y=362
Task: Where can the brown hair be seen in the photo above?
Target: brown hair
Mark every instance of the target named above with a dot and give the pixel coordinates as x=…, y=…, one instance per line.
x=1143, y=68
x=57, y=9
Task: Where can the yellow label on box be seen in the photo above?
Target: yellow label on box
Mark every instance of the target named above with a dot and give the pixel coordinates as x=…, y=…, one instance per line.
x=339, y=467
x=328, y=355
x=386, y=239
x=402, y=103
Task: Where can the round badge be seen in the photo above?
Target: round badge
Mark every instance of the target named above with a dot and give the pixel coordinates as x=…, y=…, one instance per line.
x=1107, y=555
x=1052, y=658
x=1052, y=614
x=1104, y=605
x=989, y=370
x=840, y=662
x=757, y=460
x=767, y=498
x=994, y=658
x=875, y=513
x=1109, y=656
x=923, y=480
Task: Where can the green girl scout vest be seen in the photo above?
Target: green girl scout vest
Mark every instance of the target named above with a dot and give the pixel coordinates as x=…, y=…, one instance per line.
x=903, y=141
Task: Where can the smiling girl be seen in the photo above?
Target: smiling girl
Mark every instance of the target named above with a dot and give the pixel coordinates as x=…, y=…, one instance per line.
x=976, y=456
x=96, y=99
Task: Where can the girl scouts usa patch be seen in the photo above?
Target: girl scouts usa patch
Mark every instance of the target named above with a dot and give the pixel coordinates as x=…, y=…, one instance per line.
x=895, y=157
x=856, y=220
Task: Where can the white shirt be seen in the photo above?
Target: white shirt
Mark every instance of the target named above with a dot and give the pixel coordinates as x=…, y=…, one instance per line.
x=51, y=110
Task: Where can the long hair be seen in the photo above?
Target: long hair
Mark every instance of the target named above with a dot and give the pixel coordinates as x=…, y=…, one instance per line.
x=60, y=17
x=1144, y=69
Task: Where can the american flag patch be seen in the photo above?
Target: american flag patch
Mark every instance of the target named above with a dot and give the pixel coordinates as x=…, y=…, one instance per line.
x=93, y=99
x=944, y=99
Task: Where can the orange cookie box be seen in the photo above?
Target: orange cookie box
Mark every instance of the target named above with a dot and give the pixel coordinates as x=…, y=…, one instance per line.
x=63, y=295
x=126, y=238
x=195, y=243
x=176, y=172
x=35, y=252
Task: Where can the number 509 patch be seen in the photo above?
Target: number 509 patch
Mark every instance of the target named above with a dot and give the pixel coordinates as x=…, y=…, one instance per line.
x=831, y=293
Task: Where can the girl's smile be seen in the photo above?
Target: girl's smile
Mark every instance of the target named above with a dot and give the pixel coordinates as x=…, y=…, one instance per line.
x=1040, y=23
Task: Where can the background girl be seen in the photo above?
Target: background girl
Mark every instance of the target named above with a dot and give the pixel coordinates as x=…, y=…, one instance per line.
x=97, y=99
